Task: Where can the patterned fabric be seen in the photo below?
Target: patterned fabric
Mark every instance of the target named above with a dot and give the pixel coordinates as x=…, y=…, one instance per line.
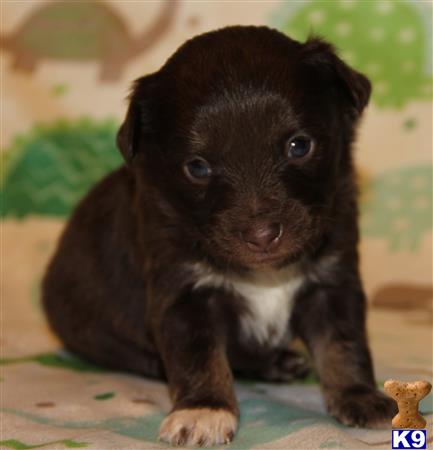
x=63, y=88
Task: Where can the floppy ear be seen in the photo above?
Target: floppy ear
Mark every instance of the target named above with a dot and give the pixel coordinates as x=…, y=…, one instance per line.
x=321, y=56
x=139, y=121
x=128, y=134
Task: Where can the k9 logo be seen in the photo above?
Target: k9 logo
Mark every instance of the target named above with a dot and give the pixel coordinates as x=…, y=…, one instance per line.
x=409, y=439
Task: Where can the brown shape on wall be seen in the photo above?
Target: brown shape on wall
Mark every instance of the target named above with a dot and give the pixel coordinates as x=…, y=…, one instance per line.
x=403, y=297
x=83, y=31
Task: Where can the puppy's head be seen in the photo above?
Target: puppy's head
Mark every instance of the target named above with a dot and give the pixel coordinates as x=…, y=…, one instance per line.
x=244, y=135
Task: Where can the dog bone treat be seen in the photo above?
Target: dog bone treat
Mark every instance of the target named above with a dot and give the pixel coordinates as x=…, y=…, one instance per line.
x=407, y=396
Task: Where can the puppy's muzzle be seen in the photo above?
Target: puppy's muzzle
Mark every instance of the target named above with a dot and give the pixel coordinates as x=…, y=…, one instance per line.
x=263, y=236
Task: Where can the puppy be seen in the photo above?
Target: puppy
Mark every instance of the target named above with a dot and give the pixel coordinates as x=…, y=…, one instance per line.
x=231, y=229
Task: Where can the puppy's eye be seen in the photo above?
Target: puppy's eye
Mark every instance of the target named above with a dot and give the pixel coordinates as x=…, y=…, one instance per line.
x=197, y=170
x=298, y=147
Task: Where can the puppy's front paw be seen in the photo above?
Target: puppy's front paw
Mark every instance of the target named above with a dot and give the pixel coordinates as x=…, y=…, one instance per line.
x=361, y=406
x=201, y=427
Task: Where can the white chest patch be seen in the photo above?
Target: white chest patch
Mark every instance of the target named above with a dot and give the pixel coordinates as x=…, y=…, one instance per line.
x=268, y=299
x=269, y=308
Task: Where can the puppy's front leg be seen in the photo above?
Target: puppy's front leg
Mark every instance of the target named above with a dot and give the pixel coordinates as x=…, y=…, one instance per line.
x=191, y=342
x=331, y=320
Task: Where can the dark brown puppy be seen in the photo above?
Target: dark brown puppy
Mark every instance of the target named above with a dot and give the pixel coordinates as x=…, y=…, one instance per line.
x=232, y=228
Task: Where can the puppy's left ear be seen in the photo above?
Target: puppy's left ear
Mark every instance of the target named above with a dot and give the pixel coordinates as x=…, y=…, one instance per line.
x=321, y=56
x=139, y=125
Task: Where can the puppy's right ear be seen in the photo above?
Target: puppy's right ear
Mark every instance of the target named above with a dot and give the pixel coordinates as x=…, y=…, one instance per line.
x=139, y=122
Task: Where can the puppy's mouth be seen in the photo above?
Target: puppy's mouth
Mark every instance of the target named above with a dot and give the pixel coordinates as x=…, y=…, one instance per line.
x=260, y=244
x=239, y=255
x=263, y=245
x=265, y=264
x=267, y=260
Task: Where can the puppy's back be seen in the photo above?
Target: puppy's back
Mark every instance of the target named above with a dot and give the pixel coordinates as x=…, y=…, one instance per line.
x=92, y=273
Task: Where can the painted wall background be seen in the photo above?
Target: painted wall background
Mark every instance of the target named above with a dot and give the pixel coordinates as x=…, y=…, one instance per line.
x=64, y=77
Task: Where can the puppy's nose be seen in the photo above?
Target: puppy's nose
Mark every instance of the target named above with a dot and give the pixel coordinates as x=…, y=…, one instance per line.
x=263, y=236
